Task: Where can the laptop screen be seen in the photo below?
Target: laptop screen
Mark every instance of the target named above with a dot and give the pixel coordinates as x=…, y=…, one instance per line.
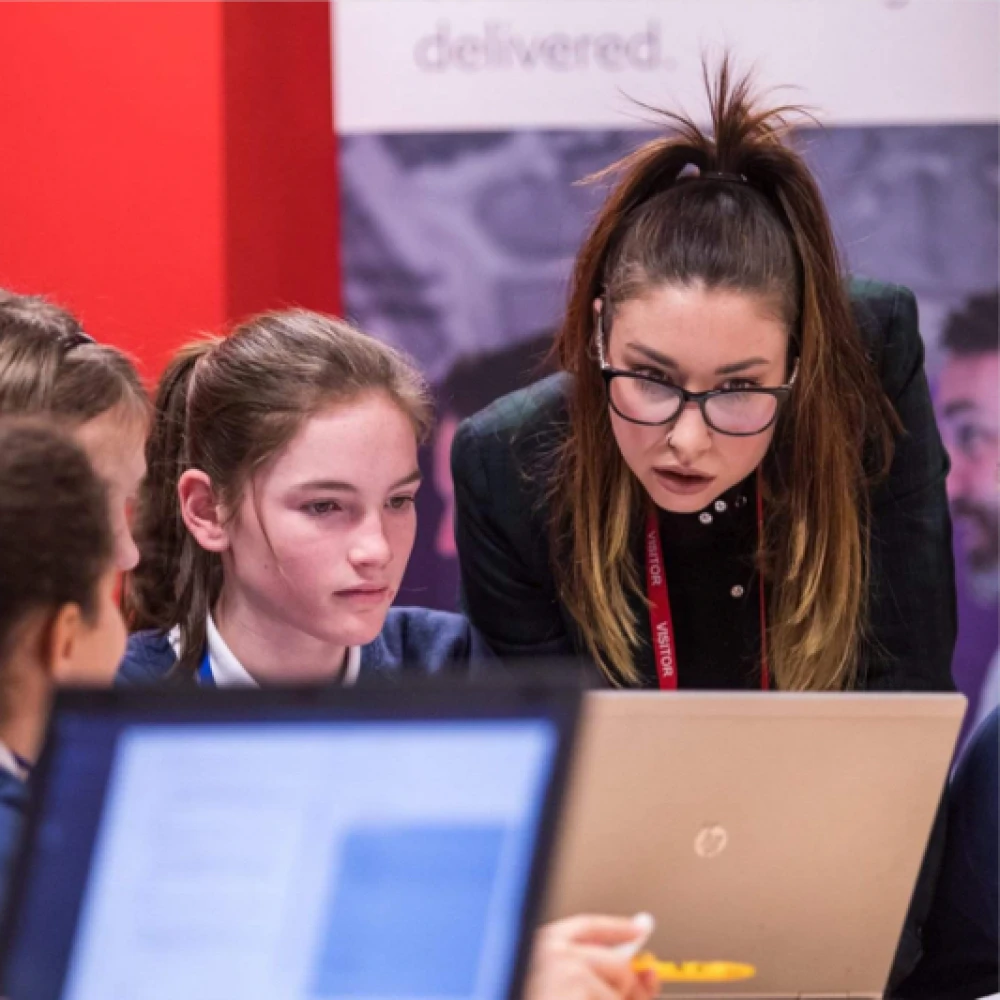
x=306, y=859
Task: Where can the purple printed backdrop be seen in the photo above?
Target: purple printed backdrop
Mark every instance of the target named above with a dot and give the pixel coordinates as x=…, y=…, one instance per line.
x=457, y=248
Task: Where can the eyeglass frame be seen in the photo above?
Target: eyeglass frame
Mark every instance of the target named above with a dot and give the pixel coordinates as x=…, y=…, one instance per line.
x=609, y=374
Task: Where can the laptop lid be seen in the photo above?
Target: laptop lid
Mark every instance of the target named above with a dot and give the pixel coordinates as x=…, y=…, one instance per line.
x=778, y=831
x=380, y=842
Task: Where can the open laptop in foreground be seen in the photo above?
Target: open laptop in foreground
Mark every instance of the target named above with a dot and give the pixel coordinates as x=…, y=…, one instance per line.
x=773, y=834
x=379, y=842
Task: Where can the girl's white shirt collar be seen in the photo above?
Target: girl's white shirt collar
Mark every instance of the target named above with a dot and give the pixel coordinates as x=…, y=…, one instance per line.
x=228, y=672
x=10, y=763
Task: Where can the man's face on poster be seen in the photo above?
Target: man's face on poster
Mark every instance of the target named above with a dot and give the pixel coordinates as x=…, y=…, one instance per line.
x=968, y=399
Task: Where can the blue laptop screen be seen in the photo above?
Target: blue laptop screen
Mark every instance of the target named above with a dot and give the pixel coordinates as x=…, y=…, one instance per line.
x=317, y=861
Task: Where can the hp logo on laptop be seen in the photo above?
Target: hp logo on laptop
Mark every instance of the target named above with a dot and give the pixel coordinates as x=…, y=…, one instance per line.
x=711, y=841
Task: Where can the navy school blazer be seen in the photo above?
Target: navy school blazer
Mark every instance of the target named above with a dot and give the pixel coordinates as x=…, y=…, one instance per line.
x=13, y=806
x=412, y=641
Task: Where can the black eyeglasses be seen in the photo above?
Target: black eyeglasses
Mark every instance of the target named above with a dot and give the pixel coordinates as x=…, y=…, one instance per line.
x=652, y=401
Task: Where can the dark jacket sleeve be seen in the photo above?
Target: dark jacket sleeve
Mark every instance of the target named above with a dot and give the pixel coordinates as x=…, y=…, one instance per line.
x=913, y=618
x=912, y=601
x=962, y=934
x=507, y=588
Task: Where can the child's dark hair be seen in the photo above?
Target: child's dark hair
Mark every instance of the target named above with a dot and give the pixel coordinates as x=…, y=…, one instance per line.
x=227, y=406
x=57, y=538
x=49, y=364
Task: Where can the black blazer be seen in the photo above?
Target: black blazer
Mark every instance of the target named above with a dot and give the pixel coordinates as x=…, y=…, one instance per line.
x=503, y=539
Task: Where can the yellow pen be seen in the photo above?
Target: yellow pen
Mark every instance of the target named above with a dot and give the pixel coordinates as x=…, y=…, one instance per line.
x=693, y=972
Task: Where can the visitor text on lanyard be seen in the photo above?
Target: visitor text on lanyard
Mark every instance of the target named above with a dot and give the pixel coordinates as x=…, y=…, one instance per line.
x=660, y=622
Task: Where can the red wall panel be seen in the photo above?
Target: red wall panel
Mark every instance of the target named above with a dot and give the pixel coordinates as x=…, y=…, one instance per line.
x=168, y=167
x=112, y=165
x=281, y=194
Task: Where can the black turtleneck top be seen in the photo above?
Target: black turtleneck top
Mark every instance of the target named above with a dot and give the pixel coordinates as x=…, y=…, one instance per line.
x=713, y=586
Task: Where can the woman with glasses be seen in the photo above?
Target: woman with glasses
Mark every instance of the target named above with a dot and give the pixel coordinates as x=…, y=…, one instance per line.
x=736, y=481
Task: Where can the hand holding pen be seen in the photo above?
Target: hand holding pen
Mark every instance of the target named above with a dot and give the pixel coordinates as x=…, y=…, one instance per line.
x=591, y=958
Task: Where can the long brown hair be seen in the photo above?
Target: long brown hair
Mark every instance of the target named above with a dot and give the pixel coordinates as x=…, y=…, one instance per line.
x=761, y=228
x=227, y=406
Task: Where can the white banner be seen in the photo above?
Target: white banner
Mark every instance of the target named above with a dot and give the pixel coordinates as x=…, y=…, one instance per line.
x=455, y=65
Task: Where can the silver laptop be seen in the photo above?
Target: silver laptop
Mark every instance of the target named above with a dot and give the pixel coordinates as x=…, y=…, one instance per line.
x=776, y=838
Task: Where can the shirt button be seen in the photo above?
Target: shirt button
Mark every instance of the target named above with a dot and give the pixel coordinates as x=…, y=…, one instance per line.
x=741, y=501
x=705, y=517
x=736, y=591
x=720, y=506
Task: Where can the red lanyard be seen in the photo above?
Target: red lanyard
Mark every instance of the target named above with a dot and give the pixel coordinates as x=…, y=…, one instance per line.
x=660, y=622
